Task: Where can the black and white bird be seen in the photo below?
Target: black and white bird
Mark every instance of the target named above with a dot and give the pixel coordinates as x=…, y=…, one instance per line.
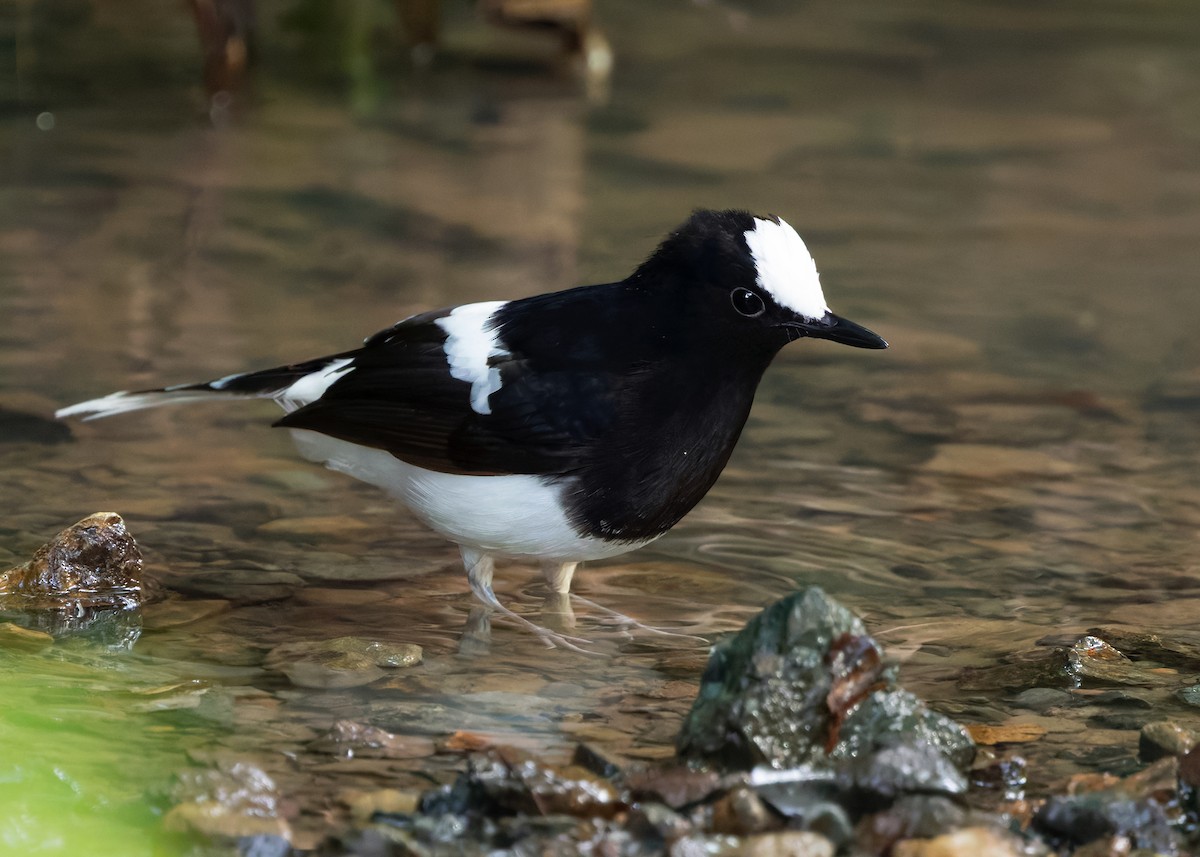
x=559, y=428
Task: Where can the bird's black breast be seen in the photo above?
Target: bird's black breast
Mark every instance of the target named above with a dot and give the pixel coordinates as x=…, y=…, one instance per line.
x=674, y=393
x=667, y=448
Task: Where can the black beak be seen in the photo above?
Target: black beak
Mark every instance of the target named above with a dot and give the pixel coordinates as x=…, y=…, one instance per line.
x=837, y=329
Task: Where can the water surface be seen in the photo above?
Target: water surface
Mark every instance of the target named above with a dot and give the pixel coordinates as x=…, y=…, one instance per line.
x=1009, y=193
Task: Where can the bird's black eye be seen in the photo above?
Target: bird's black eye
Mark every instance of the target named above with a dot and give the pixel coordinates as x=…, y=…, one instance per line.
x=747, y=303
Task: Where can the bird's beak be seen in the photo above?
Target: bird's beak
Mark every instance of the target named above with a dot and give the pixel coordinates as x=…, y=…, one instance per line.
x=837, y=329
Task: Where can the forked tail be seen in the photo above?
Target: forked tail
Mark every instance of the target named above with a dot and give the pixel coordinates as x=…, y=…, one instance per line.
x=291, y=386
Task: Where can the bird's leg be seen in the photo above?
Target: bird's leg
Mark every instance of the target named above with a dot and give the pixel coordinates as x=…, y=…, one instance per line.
x=480, y=568
x=556, y=607
x=476, y=637
x=558, y=577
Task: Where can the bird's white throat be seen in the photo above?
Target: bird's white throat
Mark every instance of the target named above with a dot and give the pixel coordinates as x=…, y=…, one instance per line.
x=786, y=270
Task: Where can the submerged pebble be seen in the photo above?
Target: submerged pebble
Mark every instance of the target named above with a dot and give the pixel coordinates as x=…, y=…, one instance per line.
x=341, y=662
x=229, y=801
x=1165, y=738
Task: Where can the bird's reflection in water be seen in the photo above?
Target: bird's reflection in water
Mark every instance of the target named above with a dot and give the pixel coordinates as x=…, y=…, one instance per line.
x=558, y=621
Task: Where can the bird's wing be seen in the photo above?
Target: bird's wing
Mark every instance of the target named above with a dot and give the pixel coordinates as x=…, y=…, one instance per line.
x=398, y=395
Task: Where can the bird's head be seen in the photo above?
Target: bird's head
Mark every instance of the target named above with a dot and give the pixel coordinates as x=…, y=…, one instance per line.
x=752, y=276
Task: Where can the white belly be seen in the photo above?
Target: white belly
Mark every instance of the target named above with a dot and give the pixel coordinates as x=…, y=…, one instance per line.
x=515, y=516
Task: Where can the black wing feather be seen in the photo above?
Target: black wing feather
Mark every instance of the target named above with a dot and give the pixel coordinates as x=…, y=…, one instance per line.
x=399, y=396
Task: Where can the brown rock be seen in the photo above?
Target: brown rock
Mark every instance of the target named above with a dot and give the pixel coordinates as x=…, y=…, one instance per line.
x=214, y=818
x=349, y=738
x=1189, y=768
x=341, y=662
x=1011, y=733
x=363, y=805
x=1107, y=846
x=674, y=784
x=968, y=842
x=741, y=812
x=521, y=782
x=788, y=843
x=1165, y=738
x=13, y=636
x=233, y=800
x=94, y=562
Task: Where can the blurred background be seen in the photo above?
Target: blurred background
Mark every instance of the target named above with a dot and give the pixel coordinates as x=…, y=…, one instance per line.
x=1009, y=192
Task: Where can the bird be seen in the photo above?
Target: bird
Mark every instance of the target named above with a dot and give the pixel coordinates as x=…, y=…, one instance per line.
x=560, y=428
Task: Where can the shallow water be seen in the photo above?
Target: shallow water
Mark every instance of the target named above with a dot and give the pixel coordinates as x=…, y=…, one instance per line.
x=1009, y=193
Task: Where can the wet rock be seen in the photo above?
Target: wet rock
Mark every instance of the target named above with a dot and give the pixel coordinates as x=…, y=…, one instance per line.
x=1189, y=768
x=968, y=842
x=788, y=843
x=112, y=628
x=1092, y=658
x=15, y=638
x=1036, y=668
x=894, y=718
x=813, y=805
x=264, y=845
x=1042, y=699
x=507, y=781
x=1121, y=698
x=341, y=662
x=803, y=683
x=598, y=763
x=1108, y=846
x=1007, y=777
x=918, y=767
x=763, y=698
x=241, y=586
x=911, y=817
x=1075, y=820
x=670, y=783
x=1165, y=738
x=1158, y=781
x=649, y=821
x=741, y=811
x=1007, y=733
x=92, y=563
x=1169, y=651
x=229, y=802
x=1189, y=695
x=174, y=613
x=801, y=694
x=364, y=805
x=349, y=739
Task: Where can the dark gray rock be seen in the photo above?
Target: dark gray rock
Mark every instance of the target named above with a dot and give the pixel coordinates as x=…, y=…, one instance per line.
x=893, y=718
x=802, y=697
x=1075, y=820
x=1042, y=699
x=908, y=769
x=762, y=698
x=1189, y=695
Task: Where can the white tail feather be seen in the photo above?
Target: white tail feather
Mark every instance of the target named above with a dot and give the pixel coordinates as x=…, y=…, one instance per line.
x=285, y=385
x=123, y=402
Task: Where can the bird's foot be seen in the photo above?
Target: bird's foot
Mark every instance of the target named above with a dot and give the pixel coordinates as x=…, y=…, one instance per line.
x=615, y=617
x=552, y=639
